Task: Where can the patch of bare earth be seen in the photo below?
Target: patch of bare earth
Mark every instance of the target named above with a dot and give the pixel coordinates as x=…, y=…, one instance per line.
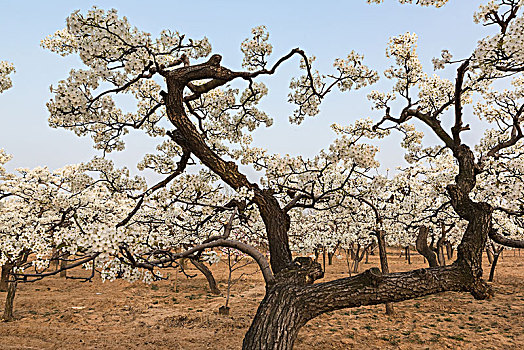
x=180, y=314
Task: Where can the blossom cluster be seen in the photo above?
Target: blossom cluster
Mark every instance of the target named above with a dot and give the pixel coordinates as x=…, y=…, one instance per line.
x=6, y=68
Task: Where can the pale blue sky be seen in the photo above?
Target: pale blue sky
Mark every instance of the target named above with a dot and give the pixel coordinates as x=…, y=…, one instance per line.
x=327, y=29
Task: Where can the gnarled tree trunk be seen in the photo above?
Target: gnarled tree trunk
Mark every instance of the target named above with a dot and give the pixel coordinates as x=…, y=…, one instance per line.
x=291, y=301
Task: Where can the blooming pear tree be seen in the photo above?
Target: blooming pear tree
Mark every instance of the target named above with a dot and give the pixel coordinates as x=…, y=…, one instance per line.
x=189, y=102
x=475, y=75
x=63, y=216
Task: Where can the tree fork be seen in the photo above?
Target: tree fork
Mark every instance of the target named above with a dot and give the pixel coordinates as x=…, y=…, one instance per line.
x=292, y=300
x=276, y=221
x=423, y=247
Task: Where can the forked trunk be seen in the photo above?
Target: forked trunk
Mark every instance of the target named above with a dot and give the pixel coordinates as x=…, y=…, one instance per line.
x=423, y=247
x=283, y=312
x=292, y=301
x=494, y=264
x=359, y=255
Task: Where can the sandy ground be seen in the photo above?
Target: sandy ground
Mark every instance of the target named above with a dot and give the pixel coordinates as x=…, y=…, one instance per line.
x=180, y=314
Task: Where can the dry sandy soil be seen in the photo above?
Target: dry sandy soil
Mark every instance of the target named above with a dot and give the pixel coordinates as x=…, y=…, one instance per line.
x=65, y=314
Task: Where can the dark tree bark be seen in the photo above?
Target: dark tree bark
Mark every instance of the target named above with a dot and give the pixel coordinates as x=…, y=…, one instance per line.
x=502, y=240
x=208, y=274
x=330, y=258
x=324, y=259
x=275, y=219
x=359, y=256
x=494, y=263
x=291, y=300
x=63, y=266
x=449, y=250
x=423, y=247
x=9, y=302
x=489, y=253
x=4, y=277
x=384, y=263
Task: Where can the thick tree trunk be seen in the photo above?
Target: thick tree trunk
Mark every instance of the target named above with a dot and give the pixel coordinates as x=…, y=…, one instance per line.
x=423, y=247
x=209, y=276
x=449, y=250
x=291, y=302
x=440, y=255
x=63, y=266
x=276, y=220
x=330, y=258
x=281, y=313
x=4, y=277
x=277, y=322
x=54, y=259
x=384, y=263
x=9, y=302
